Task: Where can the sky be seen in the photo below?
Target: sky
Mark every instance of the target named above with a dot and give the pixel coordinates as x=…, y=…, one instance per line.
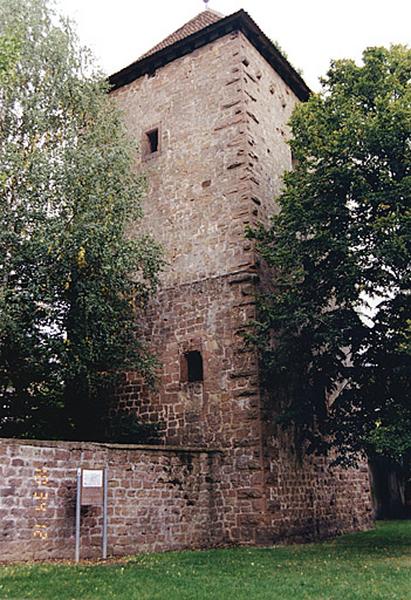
x=311, y=32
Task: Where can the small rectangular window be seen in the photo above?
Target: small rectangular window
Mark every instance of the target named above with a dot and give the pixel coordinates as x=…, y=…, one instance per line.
x=192, y=367
x=152, y=141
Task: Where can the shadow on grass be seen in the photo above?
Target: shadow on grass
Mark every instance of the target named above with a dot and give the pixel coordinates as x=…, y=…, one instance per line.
x=387, y=535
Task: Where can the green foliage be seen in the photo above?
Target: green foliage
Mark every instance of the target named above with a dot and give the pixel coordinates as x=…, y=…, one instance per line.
x=334, y=331
x=71, y=282
x=9, y=50
x=393, y=440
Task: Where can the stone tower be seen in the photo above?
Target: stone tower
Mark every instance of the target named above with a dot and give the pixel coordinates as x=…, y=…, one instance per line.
x=209, y=107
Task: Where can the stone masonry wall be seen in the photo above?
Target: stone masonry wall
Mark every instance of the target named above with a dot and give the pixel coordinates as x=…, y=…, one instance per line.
x=269, y=104
x=158, y=499
x=308, y=498
x=197, y=202
x=197, y=205
x=222, y=116
x=221, y=411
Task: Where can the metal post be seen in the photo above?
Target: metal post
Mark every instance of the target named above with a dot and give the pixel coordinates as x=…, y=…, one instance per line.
x=78, y=509
x=105, y=519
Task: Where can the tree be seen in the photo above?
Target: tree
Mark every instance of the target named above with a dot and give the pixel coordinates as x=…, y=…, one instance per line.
x=8, y=55
x=334, y=330
x=71, y=281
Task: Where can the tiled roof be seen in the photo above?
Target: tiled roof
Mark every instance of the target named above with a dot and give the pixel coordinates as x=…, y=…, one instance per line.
x=203, y=29
x=202, y=20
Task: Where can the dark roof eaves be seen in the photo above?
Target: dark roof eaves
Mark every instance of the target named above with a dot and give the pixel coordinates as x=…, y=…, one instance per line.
x=239, y=21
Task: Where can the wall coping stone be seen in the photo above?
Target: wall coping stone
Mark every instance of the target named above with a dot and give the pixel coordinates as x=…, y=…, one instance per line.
x=111, y=446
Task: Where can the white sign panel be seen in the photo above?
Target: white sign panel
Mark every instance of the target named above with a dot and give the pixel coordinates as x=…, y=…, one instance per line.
x=92, y=478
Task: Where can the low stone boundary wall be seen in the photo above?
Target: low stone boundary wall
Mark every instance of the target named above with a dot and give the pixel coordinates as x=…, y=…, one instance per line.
x=159, y=498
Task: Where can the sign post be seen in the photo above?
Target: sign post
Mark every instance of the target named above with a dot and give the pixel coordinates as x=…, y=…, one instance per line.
x=92, y=490
x=78, y=507
x=105, y=516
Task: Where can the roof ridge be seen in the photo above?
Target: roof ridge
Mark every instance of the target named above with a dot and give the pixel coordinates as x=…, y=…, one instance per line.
x=200, y=21
x=215, y=12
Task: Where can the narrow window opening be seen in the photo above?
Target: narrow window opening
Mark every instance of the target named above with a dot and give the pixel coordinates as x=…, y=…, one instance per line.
x=152, y=141
x=194, y=362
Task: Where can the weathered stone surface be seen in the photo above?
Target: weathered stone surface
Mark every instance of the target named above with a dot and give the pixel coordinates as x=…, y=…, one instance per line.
x=159, y=499
x=222, y=113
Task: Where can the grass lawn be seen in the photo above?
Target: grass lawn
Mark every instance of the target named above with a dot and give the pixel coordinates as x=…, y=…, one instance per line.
x=367, y=566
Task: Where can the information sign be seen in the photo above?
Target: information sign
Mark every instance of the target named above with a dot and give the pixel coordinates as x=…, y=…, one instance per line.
x=92, y=487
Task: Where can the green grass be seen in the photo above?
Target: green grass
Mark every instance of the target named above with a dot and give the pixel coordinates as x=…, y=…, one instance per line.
x=375, y=565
